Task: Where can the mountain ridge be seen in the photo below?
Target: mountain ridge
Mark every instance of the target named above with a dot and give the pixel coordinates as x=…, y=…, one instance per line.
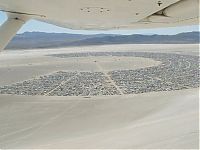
x=30, y=40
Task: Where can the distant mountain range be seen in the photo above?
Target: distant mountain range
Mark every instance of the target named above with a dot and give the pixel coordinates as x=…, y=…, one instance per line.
x=30, y=40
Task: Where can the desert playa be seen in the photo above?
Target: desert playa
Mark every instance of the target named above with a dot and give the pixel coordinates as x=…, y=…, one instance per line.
x=113, y=96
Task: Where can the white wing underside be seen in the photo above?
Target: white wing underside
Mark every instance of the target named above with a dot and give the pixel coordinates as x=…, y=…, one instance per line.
x=106, y=14
x=98, y=14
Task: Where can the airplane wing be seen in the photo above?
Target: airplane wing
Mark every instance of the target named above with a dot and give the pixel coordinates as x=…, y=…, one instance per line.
x=98, y=14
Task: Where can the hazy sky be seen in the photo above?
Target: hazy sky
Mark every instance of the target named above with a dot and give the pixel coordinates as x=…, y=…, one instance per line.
x=33, y=25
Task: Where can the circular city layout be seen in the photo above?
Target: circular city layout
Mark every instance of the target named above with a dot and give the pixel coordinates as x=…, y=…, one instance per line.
x=175, y=72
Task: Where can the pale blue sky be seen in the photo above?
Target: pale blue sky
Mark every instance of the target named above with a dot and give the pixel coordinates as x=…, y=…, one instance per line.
x=33, y=25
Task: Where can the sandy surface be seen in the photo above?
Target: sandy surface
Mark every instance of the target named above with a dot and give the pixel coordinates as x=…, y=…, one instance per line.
x=153, y=120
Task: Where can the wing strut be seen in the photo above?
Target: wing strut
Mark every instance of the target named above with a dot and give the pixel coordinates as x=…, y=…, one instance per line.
x=9, y=29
